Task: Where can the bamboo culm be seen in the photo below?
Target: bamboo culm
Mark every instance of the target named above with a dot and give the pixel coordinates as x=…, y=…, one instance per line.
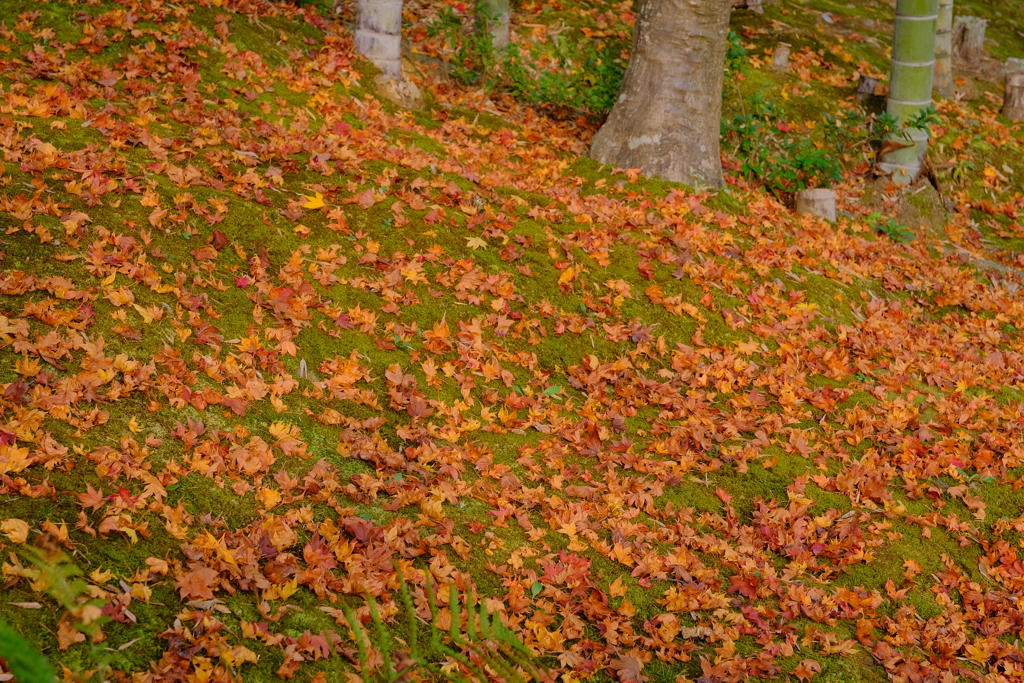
x=910, y=85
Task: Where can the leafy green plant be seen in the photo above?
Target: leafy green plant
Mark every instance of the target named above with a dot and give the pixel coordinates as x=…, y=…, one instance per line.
x=590, y=82
x=493, y=649
x=922, y=120
x=892, y=229
x=735, y=53
x=587, y=74
x=24, y=661
x=782, y=162
x=474, y=56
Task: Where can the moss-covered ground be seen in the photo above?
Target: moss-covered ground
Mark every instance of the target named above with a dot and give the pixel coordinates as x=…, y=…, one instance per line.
x=270, y=342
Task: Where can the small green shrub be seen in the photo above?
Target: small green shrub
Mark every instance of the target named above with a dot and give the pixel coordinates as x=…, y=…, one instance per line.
x=782, y=162
x=494, y=650
x=587, y=76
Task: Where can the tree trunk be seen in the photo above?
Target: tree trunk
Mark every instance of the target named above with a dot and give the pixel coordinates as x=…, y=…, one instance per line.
x=666, y=121
x=379, y=34
x=944, y=50
x=969, y=39
x=494, y=17
x=1013, y=100
x=910, y=85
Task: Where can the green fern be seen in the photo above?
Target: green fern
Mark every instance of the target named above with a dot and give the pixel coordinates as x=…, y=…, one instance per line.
x=502, y=655
x=27, y=665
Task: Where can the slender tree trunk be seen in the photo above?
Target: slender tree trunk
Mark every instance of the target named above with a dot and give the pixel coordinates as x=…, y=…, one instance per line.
x=944, y=50
x=379, y=34
x=495, y=16
x=667, y=118
x=910, y=84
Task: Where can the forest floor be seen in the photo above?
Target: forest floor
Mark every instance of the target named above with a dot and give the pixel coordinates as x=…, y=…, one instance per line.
x=269, y=341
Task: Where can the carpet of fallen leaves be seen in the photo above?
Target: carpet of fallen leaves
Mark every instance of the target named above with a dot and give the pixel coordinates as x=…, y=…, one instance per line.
x=268, y=341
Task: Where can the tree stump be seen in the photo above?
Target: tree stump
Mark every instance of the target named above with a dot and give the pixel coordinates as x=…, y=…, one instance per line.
x=494, y=16
x=969, y=39
x=866, y=87
x=1013, y=64
x=817, y=202
x=752, y=5
x=1013, y=100
x=781, y=60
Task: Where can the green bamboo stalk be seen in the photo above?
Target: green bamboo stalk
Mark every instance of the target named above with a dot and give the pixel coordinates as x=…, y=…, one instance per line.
x=944, y=50
x=910, y=85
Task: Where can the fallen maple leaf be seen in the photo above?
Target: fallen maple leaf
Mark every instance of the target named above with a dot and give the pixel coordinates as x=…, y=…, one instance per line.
x=15, y=529
x=314, y=202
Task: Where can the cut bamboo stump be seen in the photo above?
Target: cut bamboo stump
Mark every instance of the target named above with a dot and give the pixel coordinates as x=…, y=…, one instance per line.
x=781, y=59
x=752, y=5
x=1013, y=64
x=969, y=39
x=495, y=18
x=379, y=34
x=817, y=202
x=1013, y=100
x=866, y=87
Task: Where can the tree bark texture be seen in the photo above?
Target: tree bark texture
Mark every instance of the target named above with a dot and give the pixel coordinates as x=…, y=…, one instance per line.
x=969, y=39
x=910, y=84
x=666, y=121
x=495, y=17
x=379, y=34
x=1013, y=99
x=944, y=50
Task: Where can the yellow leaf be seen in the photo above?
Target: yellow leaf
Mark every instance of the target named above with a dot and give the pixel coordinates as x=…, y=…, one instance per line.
x=15, y=529
x=109, y=279
x=617, y=589
x=147, y=318
x=316, y=202
x=475, y=243
x=289, y=588
x=268, y=497
x=101, y=575
x=134, y=426
x=567, y=275
x=27, y=367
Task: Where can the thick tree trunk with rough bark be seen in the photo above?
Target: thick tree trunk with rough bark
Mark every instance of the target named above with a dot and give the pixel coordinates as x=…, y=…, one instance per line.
x=667, y=118
x=910, y=85
x=494, y=17
x=944, y=50
x=379, y=34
